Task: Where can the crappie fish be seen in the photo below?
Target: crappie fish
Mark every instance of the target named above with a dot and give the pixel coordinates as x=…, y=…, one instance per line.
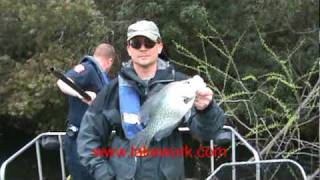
x=163, y=111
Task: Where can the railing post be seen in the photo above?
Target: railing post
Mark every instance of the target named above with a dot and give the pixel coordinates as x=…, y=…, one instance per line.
x=62, y=158
x=211, y=157
x=3, y=171
x=233, y=155
x=39, y=160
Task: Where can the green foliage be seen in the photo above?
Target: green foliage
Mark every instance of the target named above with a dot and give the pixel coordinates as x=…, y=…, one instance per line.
x=39, y=35
x=273, y=105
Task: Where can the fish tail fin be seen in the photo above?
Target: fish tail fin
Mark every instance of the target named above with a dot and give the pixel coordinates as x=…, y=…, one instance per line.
x=142, y=139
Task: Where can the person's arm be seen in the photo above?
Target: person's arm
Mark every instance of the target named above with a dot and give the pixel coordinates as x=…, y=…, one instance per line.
x=90, y=140
x=93, y=135
x=65, y=88
x=79, y=75
x=207, y=117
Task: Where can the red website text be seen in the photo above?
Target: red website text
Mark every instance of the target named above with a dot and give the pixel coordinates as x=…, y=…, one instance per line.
x=185, y=151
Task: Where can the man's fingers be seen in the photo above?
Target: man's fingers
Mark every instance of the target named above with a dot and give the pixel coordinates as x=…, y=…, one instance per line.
x=200, y=105
x=91, y=94
x=204, y=92
x=203, y=98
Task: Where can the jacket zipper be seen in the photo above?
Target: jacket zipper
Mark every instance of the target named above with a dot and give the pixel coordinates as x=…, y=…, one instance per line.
x=146, y=91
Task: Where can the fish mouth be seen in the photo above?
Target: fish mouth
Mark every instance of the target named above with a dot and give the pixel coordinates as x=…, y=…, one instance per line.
x=186, y=100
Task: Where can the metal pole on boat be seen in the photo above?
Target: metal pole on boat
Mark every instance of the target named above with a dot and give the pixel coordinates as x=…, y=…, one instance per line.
x=39, y=160
x=62, y=159
x=3, y=170
x=211, y=157
x=233, y=155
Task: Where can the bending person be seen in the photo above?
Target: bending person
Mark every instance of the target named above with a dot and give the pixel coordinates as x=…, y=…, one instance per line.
x=90, y=75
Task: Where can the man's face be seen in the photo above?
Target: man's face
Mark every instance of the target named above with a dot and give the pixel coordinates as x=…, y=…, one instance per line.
x=143, y=51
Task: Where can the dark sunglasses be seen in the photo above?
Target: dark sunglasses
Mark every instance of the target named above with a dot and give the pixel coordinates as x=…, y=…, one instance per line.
x=136, y=43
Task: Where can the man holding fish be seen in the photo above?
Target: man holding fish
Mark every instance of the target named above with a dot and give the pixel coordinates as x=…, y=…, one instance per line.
x=145, y=105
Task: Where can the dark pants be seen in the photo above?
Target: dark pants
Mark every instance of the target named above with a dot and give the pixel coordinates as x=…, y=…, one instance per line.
x=77, y=170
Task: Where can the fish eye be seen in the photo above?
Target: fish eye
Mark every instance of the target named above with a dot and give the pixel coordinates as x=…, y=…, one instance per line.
x=186, y=99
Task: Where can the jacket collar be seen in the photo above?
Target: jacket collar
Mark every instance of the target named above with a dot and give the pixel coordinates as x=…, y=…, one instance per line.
x=165, y=72
x=103, y=75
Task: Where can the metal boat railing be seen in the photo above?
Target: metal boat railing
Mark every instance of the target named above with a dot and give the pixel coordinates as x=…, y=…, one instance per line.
x=261, y=162
x=235, y=136
x=36, y=142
